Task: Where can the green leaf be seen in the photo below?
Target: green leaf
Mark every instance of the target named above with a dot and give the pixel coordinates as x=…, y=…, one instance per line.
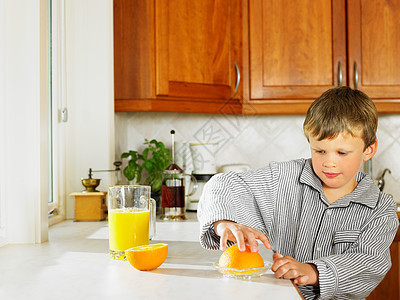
x=139, y=170
x=149, y=165
x=155, y=158
x=125, y=155
x=156, y=185
x=145, y=153
x=129, y=173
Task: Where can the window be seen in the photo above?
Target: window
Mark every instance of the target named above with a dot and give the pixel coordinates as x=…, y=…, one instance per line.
x=57, y=109
x=2, y=125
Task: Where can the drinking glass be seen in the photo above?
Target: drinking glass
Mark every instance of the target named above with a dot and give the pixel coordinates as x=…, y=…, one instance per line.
x=131, y=218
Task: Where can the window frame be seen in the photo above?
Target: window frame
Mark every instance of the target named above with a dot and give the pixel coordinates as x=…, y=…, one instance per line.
x=57, y=104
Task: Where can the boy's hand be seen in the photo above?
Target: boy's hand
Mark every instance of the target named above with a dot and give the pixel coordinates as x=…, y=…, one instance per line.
x=240, y=234
x=288, y=268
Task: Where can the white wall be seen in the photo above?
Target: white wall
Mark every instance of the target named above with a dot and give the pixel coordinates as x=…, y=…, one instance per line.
x=254, y=140
x=89, y=132
x=90, y=94
x=24, y=129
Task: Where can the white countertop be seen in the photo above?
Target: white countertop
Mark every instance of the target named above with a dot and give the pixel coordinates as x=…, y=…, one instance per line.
x=75, y=264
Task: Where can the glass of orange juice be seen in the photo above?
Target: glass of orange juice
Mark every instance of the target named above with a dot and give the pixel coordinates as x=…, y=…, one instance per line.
x=131, y=218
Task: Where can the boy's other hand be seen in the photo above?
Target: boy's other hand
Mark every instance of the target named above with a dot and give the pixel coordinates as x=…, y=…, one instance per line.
x=288, y=268
x=240, y=234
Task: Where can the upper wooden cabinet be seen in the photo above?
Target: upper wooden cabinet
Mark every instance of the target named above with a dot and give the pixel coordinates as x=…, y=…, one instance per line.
x=186, y=56
x=298, y=49
x=373, y=50
x=177, y=55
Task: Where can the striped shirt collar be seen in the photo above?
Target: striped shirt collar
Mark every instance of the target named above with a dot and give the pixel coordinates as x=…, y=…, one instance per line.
x=366, y=192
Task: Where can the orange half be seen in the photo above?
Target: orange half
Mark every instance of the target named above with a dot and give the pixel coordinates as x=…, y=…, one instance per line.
x=147, y=257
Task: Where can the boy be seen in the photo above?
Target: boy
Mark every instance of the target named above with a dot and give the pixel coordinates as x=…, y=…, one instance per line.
x=328, y=224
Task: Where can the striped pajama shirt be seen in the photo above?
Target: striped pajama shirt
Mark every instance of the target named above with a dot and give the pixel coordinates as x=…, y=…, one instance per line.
x=348, y=241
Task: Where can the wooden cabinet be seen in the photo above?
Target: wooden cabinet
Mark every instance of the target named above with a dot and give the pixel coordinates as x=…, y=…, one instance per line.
x=90, y=206
x=177, y=55
x=373, y=50
x=184, y=55
x=298, y=49
x=389, y=288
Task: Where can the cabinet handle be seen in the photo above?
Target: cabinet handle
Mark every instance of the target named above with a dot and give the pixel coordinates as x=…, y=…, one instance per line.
x=355, y=75
x=237, y=78
x=340, y=74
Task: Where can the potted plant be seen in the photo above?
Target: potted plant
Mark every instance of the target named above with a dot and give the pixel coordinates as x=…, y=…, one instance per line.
x=155, y=158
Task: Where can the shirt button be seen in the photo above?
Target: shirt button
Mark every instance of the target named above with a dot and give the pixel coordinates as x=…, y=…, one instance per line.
x=318, y=249
x=329, y=212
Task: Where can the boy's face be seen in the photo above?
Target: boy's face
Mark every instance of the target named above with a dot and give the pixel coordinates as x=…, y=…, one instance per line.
x=337, y=161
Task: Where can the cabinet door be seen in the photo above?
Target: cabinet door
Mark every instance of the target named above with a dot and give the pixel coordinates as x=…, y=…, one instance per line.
x=389, y=288
x=196, y=48
x=133, y=56
x=374, y=43
x=297, y=48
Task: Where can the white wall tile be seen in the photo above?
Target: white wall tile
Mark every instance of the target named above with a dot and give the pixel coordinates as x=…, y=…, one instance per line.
x=253, y=140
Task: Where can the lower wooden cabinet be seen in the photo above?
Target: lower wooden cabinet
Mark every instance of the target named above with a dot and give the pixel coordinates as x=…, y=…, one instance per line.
x=389, y=288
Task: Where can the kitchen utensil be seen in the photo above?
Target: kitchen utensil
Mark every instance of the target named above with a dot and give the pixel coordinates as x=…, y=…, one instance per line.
x=131, y=218
x=117, y=172
x=90, y=184
x=193, y=200
x=203, y=155
x=173, y=189
x=173, y=193
x=183, y=156
x=243, y=273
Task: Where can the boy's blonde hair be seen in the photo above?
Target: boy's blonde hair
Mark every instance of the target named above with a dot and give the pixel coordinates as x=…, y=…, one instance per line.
x=342, y=110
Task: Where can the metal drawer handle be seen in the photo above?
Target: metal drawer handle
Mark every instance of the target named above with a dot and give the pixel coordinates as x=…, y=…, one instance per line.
x=355, y=75
x=340, y=74
x=237, y=78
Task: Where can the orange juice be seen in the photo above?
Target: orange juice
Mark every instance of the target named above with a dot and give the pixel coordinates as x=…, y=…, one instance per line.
x=128, y=227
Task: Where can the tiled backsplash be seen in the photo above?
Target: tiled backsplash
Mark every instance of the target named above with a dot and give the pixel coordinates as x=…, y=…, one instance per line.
x=253, y=140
